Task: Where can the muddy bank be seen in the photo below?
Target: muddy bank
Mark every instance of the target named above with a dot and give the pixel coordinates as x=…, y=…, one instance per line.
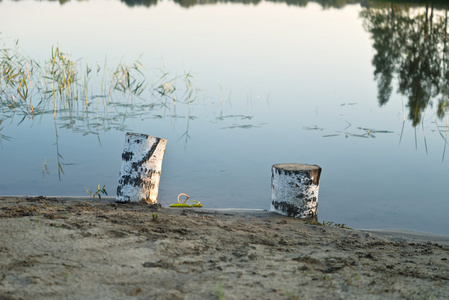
x=53, y=249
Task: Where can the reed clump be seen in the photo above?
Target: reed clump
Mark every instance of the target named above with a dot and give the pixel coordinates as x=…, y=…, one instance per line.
x=63, y=84
x=61, y=75
x=16, y=72
x=129, y=78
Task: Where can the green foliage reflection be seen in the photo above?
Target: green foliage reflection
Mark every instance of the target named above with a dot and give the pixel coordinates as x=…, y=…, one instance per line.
x=412, y=47
x=325, y=4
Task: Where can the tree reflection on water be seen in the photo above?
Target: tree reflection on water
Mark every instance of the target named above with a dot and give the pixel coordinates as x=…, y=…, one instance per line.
x=325, y=4
x=413, y=48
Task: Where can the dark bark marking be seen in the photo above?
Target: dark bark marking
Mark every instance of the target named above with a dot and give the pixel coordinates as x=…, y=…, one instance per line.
x=147, y=156
x=127, y=155
x=290, y=209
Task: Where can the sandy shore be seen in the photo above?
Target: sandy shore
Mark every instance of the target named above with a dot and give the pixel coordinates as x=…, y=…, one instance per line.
x=54, y=249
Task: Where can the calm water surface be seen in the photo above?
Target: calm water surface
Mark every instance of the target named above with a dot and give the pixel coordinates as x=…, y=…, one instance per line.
x=358, y=90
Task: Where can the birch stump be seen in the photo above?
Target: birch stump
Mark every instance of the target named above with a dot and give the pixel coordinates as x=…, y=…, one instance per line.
x=294, y=189
x=141, y=168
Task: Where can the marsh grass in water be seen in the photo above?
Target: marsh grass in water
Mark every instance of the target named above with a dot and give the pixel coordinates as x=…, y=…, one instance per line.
x=67, y=87
x=129, y=78
x=60, y=77
x=82, y=97
x=366, y=132
x=15, y=75
x=2, y=136
x=45, y=169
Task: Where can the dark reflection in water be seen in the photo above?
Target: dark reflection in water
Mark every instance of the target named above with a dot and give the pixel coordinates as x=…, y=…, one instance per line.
x=325, y=4
x=190, y=3
x=410, y=47
x=146, y=3
x=414, y=49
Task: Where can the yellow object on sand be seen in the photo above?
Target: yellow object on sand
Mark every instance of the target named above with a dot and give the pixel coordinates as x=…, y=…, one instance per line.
x=184, y=204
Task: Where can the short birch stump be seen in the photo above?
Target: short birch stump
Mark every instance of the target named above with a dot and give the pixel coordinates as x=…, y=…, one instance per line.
x=294, y=189
x=141, y=168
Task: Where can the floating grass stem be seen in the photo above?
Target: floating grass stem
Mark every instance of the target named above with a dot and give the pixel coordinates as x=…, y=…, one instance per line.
x=2, y=136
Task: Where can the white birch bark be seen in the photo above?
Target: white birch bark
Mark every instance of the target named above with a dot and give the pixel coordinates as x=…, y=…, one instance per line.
x=294, y=189
x=141, y=168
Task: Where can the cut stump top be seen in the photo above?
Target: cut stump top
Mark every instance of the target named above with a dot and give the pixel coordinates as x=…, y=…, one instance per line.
x=296, y=167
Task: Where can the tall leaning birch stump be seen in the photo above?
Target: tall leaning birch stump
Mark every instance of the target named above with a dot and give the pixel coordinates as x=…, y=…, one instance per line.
x=141, y=168
x=294, y=189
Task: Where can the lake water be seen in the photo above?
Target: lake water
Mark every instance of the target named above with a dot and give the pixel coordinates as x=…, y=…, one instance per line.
x=356, y=89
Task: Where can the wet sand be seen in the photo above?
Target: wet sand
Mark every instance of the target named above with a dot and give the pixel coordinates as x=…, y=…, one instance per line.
x=57, y=249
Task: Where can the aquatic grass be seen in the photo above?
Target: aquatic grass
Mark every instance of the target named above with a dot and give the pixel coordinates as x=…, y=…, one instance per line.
x=237, y=118
x=315, y=127
x=331, y=135
x=2, y=136
x=15, y=75
x=129, y=78
x=59, y=157
x=370, y=130
x=191, y=89
x=367, y=132
x=45, y=169
x=446, y=127
x=67, y=86
x=424, y=136
x=167, y=88
x=85, y=98
x=85, y=80
x=60, y=76
x=245, y=126
x=63, y=73
x=241, y=117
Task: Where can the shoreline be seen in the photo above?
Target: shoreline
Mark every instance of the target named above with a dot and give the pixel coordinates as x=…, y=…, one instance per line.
x=392, y=233
x=53, y=249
